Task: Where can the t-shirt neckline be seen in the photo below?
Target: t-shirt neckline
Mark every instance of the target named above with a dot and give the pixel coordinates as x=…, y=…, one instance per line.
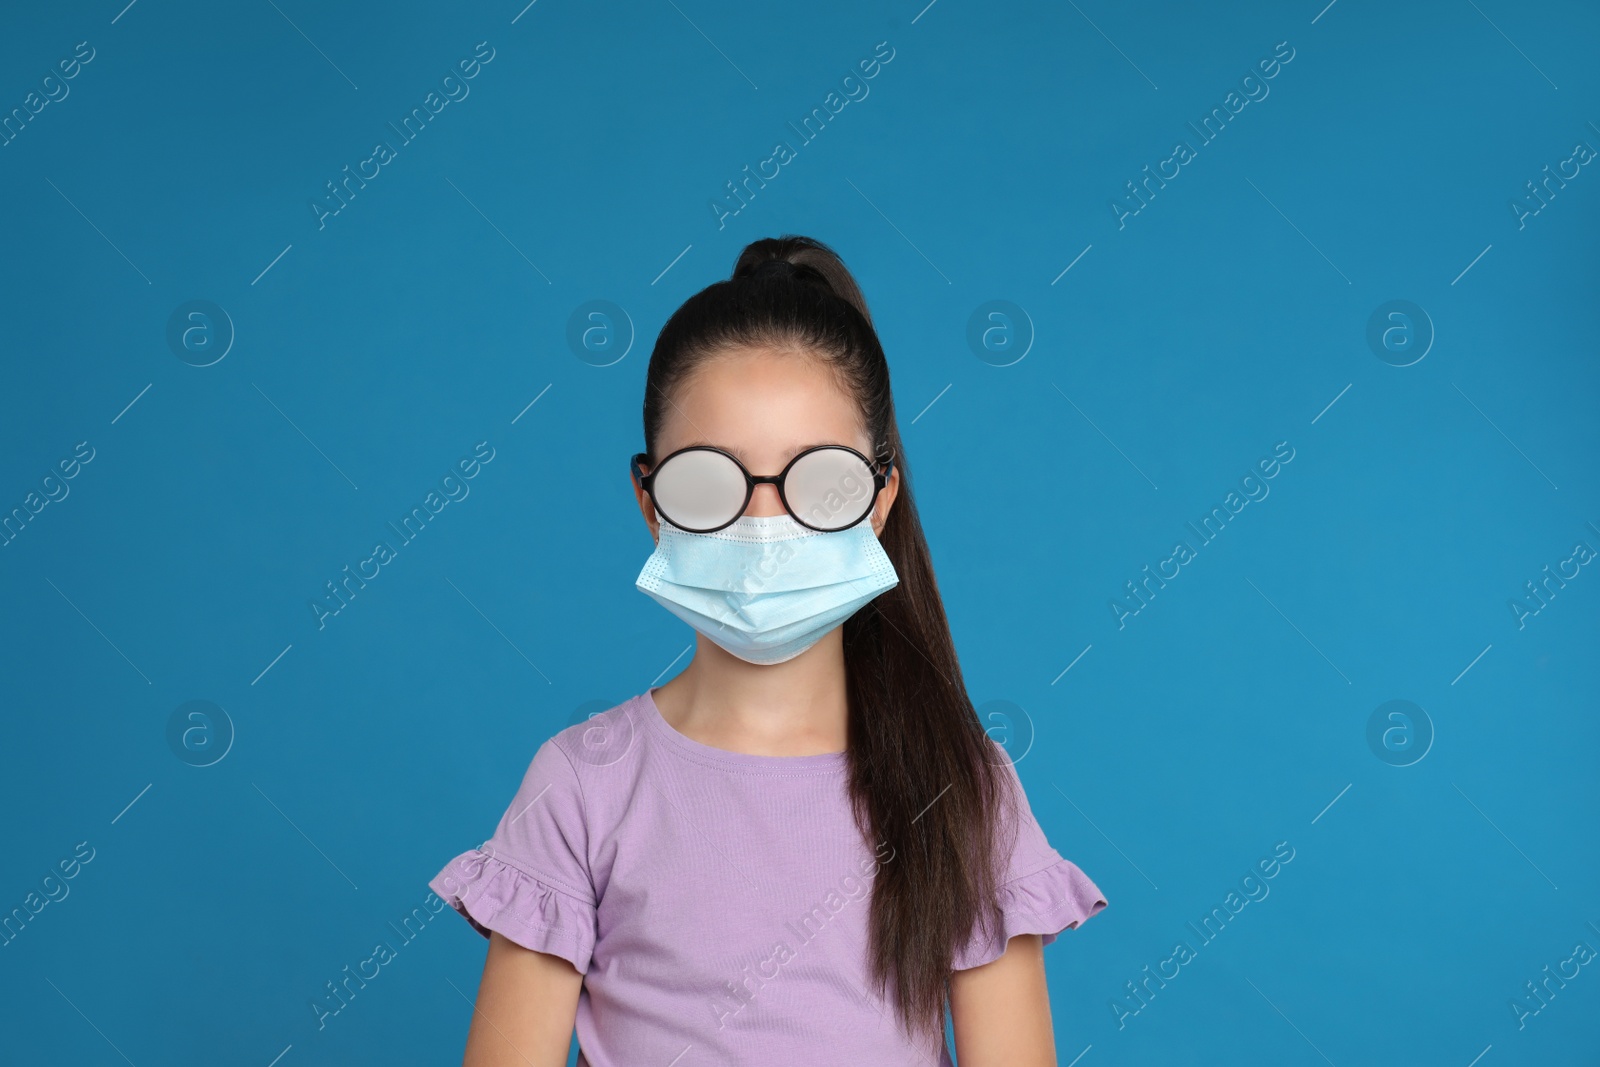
x=747, y=762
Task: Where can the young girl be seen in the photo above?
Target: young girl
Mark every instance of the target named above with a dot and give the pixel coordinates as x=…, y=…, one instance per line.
x=796, y=850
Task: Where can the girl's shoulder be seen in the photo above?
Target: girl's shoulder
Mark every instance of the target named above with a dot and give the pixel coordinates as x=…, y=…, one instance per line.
x=589, y=771
x=603, y=739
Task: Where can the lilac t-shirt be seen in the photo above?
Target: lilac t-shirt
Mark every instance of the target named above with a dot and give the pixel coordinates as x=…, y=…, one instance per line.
x=716, y=902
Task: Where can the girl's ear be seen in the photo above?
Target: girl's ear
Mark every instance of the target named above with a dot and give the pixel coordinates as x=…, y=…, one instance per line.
x=880, y=510
x=647, y=508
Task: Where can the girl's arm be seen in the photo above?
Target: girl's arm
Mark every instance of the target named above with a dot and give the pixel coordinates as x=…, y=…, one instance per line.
x=527, y=1004
x=1001, y=1010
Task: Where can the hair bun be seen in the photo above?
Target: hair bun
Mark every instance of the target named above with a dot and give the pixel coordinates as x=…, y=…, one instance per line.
x=800, y=259
x=780, y=267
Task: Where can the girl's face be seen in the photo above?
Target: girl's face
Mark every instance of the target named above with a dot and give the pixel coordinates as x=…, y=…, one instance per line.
x=764, y=406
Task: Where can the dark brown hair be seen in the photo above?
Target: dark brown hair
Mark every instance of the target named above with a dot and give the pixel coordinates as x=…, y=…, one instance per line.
x=924, y=778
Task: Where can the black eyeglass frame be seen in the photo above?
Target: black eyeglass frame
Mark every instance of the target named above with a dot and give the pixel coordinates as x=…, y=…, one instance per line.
x=881, y=470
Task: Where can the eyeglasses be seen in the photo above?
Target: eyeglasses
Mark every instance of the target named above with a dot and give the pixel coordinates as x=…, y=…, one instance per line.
x=703, y=488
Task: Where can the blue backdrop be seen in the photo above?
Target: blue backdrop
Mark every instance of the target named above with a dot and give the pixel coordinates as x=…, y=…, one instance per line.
x=1245, y=361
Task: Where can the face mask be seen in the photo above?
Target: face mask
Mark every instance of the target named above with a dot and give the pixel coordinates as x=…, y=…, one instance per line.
x=765, y=587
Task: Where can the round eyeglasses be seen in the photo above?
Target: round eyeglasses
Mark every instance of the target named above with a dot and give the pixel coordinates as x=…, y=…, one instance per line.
x=703, y=488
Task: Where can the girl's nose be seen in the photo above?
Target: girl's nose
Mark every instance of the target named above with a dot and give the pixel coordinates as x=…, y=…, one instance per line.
x=765, y=501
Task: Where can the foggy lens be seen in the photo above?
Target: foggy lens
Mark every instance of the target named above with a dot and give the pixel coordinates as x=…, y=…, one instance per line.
x=830, y=488
x=700, y=489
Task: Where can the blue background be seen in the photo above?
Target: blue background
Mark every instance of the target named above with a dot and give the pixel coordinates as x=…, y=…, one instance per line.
x=370, y=353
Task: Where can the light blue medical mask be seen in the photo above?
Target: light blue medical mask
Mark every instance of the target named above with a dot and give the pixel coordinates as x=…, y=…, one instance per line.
x=765, y=587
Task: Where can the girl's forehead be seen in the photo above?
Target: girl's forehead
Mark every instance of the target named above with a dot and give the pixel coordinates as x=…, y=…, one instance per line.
x=762, y=401
x=765, y=367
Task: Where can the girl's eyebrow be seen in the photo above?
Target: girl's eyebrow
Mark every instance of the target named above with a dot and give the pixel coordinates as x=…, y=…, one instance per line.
x=745, y=459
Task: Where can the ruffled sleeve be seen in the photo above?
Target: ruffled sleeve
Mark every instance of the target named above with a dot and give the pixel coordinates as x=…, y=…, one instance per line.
x=1042, y=893
x=1048, y=901
x=530, y=881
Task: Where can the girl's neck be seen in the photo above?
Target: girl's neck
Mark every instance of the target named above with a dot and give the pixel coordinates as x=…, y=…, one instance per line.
x=795, y=708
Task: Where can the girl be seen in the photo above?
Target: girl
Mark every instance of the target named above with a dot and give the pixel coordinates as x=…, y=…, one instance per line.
x=798, y=849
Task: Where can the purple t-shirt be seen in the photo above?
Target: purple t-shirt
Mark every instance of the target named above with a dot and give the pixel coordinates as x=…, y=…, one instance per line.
x=716, y=902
